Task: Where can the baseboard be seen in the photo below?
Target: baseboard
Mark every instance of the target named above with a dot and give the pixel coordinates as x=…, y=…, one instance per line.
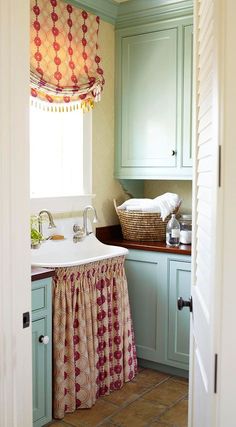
x=163, y=368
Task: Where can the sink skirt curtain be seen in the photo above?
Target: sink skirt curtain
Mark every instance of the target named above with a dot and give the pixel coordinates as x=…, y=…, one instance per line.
x=93, y=340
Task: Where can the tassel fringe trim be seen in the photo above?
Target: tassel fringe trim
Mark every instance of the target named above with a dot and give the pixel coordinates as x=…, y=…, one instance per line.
x=86, y=105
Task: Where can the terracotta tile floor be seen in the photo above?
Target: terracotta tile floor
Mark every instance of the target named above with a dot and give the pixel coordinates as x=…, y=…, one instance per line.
x=152, y=399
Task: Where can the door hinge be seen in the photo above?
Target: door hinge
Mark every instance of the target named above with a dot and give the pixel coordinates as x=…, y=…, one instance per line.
x=219, y=166
x=215, y=373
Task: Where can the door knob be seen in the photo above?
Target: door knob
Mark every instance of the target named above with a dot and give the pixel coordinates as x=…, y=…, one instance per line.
x=44, y=339
x=173, y=152
x=181, y=303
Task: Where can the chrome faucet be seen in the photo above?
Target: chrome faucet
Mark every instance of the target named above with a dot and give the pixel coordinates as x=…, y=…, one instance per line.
x=85, y=218
x=50, y=219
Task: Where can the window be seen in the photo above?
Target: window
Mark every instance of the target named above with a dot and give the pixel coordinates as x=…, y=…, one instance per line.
x=60, y=154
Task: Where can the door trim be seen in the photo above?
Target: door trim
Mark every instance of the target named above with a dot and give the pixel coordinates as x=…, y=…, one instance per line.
x=15, y=289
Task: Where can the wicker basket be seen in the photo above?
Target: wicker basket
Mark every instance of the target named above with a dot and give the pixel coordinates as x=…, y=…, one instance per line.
x=142, y=226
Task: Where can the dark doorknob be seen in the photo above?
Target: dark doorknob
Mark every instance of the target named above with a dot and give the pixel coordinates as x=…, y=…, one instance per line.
x=181, y=303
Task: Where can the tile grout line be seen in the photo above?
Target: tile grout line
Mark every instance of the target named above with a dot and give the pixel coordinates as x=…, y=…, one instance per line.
x=120, y=408
x=169, y=408
x=152, y=386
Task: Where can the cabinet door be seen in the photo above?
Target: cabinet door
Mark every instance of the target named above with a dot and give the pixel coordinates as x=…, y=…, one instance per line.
x=145, y=293
x=187, y=96
x=149, y=99
x=41, y=360
x=179, y=284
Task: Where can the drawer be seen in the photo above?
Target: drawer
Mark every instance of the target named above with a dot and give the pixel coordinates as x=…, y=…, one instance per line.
x=39, y=298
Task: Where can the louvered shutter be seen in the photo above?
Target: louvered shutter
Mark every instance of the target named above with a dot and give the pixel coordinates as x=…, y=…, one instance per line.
x=202, y=398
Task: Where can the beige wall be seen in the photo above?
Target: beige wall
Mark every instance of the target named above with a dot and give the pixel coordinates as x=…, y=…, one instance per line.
x=104, y=185
x=183, y=188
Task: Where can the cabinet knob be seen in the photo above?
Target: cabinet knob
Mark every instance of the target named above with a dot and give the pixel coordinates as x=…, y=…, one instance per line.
x=44, y=339
x=181, y=303
x=173, y=153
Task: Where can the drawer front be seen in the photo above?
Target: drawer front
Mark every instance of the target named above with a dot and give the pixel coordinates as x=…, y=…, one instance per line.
x=40, y=294
x=39, y=298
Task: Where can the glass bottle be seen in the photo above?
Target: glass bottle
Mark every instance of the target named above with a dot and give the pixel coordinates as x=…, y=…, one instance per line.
x=173, y=232
x=185, y=229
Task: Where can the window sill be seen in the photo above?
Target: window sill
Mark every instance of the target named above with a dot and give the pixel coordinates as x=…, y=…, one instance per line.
x=60, y=204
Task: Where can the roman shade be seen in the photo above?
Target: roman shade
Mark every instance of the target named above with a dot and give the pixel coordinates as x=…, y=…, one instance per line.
x=65, y=65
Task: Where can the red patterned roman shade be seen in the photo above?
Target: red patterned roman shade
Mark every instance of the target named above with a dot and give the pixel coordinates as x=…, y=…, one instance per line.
x=65, y=65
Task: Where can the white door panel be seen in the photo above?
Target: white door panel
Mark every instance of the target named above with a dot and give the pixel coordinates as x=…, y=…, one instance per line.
x=205, y=195
x=200, y=410
x=226, y=331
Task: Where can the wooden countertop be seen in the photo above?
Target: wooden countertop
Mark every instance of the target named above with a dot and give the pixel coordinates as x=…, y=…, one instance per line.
x=38, y=273
x=112, y=235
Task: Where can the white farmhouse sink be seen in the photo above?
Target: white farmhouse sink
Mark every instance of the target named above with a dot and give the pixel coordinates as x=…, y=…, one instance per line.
x=66, y=253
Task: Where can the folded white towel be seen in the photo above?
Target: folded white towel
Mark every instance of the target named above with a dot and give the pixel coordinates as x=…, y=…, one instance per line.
x=164, y=204
x=167, y=203
x=137, y=205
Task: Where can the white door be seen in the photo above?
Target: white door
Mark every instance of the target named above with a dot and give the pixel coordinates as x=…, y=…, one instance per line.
x=15, y=287
x=206, y=220
x=227, y=355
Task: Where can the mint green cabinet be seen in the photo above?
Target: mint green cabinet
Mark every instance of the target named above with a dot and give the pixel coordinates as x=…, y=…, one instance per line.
x=154, y=101
x=143, y=270
x=178, y=282
x=149, y=103
x=155, y=281
x=42, y=352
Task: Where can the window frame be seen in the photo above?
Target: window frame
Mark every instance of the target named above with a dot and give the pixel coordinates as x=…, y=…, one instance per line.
x=76, y=202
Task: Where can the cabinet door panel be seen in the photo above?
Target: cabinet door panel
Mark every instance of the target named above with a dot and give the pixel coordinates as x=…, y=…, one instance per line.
x=42, y=353
x=39, y=368
x=145, y=299
x=178, y=324
x=149, y=99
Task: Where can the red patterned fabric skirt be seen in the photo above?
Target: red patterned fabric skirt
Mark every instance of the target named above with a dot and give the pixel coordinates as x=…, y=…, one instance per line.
x=93, y=341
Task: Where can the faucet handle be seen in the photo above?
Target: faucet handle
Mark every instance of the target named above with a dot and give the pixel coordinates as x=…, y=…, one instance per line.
x=77, y=228
x=79, y=233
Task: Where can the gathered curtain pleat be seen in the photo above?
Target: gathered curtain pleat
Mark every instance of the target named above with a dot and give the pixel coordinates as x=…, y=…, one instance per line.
x=93, y=340
x=65, y=65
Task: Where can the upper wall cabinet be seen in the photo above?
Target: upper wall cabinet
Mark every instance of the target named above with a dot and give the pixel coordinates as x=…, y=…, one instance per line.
x=154, y=101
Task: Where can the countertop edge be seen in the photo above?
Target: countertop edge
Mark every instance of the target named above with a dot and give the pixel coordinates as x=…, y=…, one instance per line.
x=39, y=273
x=111, y=235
